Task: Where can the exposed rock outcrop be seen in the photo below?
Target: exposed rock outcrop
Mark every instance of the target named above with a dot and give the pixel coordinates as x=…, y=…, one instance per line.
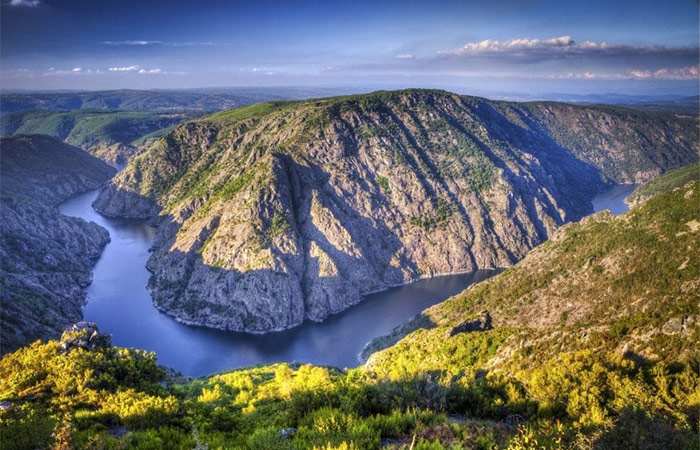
x=86, y=336
x=283, y=212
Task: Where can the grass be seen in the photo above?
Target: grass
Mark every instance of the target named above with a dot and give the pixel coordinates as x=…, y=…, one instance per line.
x=253, y=111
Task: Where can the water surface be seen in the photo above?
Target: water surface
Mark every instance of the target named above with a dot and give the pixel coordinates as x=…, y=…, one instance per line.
x=120, y=304
x=614, y=199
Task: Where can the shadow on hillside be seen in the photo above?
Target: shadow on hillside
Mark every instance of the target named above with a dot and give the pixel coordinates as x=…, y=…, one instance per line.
x=418, y=322
x=577, y=181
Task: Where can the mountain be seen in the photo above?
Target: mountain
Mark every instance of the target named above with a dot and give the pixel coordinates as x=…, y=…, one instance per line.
x=192, y=101
x=684, y=105
x=45, y=257
x=281, y=212
x=591, y=341
x=625, y=284
x=113, y=136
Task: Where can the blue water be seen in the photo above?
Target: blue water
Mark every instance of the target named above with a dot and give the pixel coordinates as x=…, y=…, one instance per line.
x=613, y=199
x=120, y=304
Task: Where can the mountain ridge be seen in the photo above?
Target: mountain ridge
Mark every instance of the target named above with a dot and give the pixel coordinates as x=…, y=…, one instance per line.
x=344, y=196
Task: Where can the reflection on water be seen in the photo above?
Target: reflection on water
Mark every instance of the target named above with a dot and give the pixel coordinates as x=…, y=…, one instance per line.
x=120, y=304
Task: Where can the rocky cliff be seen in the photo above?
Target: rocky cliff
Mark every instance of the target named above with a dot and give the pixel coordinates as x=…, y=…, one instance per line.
x=45, y=257
x=626, y=284
x=282, y=212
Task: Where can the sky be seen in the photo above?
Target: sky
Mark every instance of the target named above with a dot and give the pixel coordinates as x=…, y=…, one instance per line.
x=486, y=46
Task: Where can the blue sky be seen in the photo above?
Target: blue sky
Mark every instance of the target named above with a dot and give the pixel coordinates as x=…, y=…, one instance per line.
x=587, y=46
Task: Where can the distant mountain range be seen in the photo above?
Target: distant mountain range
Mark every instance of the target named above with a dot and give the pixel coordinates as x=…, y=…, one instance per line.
x=113, y=136
x=192, y=101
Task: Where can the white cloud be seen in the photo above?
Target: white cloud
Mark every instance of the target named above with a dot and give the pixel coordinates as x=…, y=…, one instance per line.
x=124, y=69
x=533, y=50
x=404, y=56
x=77, y=69
x=559, y=43
x=681, y=73
x=26, y=3
x=132, y=43
x=143, y=43
x=577, y=75
x=138, y=69
x=150, y=71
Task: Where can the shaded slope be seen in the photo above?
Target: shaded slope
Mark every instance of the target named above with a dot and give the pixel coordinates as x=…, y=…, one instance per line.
x=45, y=257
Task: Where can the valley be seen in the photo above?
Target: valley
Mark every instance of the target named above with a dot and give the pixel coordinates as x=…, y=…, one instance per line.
x=120, y=303
x=349, y=225
x=564, y=360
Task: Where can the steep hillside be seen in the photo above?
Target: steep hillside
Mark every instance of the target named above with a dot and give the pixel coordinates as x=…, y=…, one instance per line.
x=45, y=257
x=671, y=180
x=281, y=212
x=592, y=344
x=627, y=284
x=113, y=136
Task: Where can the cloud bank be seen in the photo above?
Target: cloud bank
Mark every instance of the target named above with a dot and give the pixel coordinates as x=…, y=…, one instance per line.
x=532, y=50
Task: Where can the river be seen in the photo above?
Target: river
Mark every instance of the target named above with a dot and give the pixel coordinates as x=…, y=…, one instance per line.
x=120, y=304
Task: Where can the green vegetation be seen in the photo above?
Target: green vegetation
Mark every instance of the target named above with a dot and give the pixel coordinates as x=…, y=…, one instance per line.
x=86, y=128
x=278, y=225
x=481, y=176
x=666, y=182
x=253, y=111
x=442, y=212
x=550, y=374
x=383, y=182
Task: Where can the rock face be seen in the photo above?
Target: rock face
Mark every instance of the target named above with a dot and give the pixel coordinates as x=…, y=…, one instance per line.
x=86, y=336
x=45, y=257
x=277, y=213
